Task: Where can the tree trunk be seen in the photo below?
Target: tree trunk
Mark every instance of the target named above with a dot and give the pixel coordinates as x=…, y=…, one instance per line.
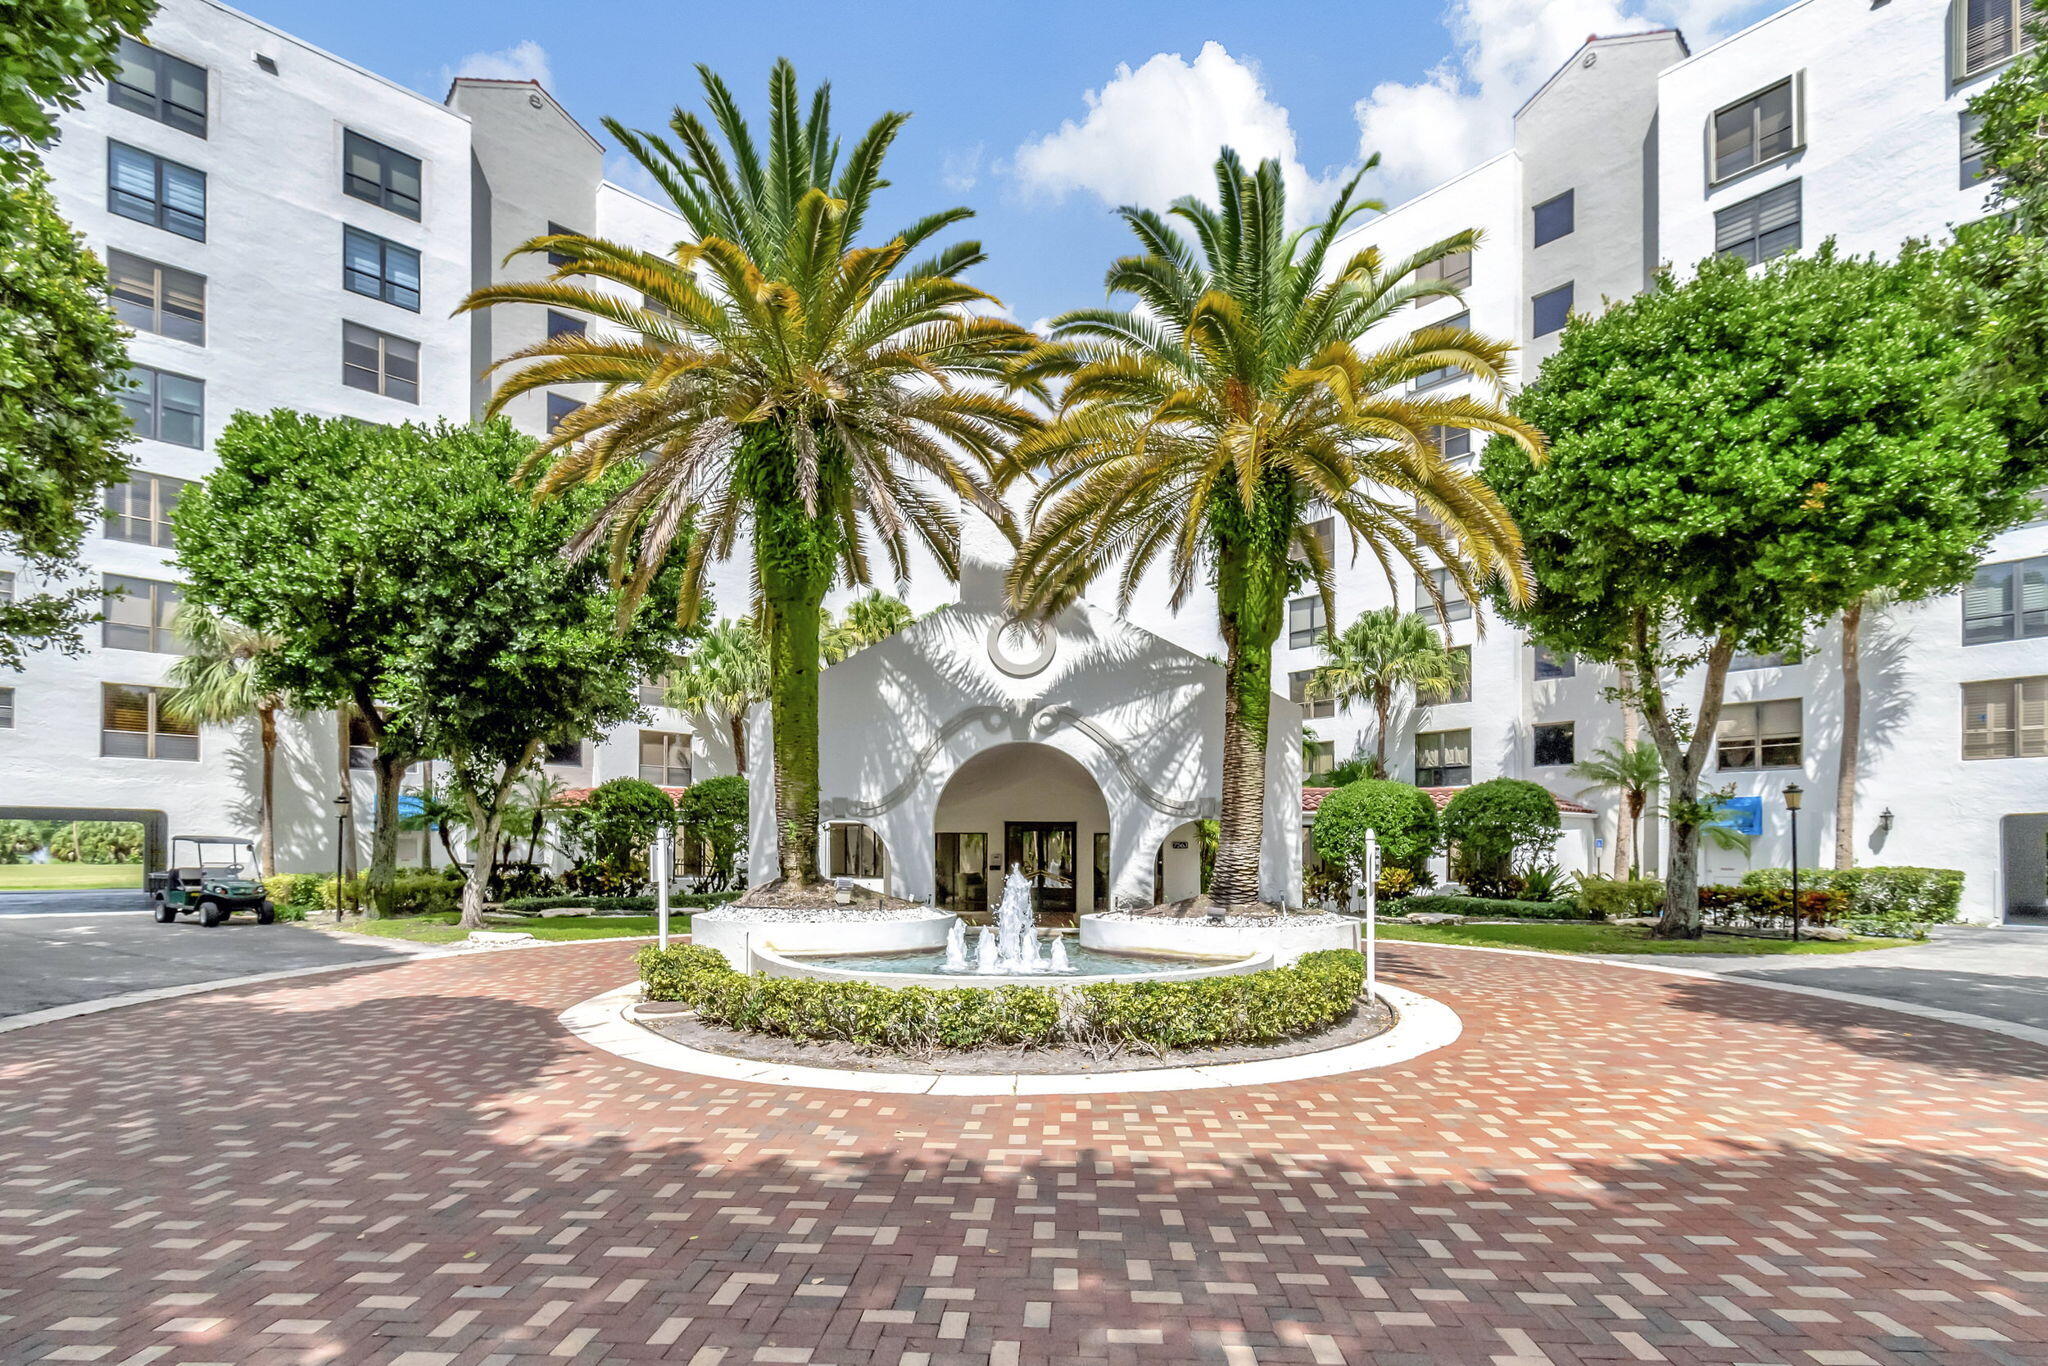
x=476, y=886
x=1852, y=737
x=266, y=729
x=1251, y=593
x=1683, y=765
x=1631, y=805
x=389, y=770
x=738, y=720
x=1382, y=704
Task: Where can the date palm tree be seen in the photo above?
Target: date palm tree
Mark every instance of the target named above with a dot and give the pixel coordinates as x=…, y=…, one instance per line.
x=1204, y=429
x=773, y=375
x=1379, y=656
x=724, y=673
x=218, y=683
x=1632, y=770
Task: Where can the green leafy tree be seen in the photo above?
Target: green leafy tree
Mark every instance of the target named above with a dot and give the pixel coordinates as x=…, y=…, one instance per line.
x=219, y=683
x=1632, y=771
x=792, y=382
x=610, y=831
x=49, y=50
x=62, y=431
x=1400, y=814
x=1734, y=459
x=713, y=815
x=869, y=620
x=1499, y=825
x=1206, y=428
x=725, y=672
x=1380, y=657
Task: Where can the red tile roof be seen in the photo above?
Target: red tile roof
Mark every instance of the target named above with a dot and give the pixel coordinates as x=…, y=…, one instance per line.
x=576, y=795
x=1312, y=798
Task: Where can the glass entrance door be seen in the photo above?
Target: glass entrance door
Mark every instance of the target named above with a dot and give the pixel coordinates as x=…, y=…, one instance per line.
x=1044, y=850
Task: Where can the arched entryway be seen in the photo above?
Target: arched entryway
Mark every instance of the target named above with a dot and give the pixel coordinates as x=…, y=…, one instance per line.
x=1029, y=805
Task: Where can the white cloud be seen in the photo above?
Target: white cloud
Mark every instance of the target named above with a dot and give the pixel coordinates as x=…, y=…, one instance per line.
x=1151, y=135
x=960, y=170
x=523, y=61
x=1463, y=110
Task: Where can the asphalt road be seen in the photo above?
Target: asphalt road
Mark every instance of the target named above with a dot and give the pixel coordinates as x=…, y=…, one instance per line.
x=60, y=948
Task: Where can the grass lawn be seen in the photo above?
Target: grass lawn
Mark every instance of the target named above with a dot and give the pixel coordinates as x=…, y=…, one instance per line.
x=1617, y=939
x=442, y=929
x=70, y=877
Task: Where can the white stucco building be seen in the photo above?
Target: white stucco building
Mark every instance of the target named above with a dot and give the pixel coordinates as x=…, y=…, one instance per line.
x=287, y=229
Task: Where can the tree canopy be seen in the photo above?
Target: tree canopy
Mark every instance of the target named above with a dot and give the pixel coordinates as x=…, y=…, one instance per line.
x=49, y=49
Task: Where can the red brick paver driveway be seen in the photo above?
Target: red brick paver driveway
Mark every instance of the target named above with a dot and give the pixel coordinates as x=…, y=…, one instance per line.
x=415, y=1165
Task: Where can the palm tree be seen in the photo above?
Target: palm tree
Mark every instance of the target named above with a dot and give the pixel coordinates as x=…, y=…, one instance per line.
x=725, y=673
x=869, y=620
x=1205, y=428
x=1381, y=654
x=772, y=375
x=435, y=810
x=1634, y=770
x=218, y=682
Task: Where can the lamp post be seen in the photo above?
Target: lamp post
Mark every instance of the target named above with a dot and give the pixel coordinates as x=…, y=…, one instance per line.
x=1793, y=796
x=341, y=836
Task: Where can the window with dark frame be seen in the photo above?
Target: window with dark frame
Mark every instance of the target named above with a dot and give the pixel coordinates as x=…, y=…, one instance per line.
x=136, y=614
x=166, y=407
x=564, y=324
x=856, y=851
x=1312, y=708
x=1443, y=758
x=380, y=268
x=1306, y=622
x=1456, y=607
x=2006, y=718
x=2007, y=601
x=1761, y=226
x=1550, y=664
x=1454, y=270
x=1973, y=169
x=156, y=190
x=380, y=363
x=1461, y=678
x=564, y=754
x=1753, y=130
x=135, y=724
x=1759, y=735
x=1443, y=374
x=1988, y=33
x=380, y=175
x=1556, y=217
x=559, y=408
x=1552, y=745
x=157, y=85
x=665, y=758
x=1323, y=531
x=1101, y=889
x=556, y=258
x=140, y=510
x=150, y=296
x=962, y=876
x=1550, y=310
x=6, y=709
x=1452, y=443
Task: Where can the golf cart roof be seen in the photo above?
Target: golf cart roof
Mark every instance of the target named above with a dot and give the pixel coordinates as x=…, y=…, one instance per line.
x=212, y=839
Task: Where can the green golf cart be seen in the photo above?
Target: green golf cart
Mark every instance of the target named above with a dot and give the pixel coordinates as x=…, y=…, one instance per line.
x=214, y=875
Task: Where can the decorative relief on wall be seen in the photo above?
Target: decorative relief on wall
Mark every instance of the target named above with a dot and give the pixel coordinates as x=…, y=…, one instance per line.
x=1022, y=647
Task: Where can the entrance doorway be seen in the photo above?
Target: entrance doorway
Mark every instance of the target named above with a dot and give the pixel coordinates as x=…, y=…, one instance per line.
x=1044, y=851
x=2024, y=850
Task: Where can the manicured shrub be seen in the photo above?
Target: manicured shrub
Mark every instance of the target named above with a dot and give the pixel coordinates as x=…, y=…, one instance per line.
x=609, y=833
x=1256, y=1007
x=1896, y=902
x=1494, y=825
x=298, y=891
x=1403, y=816
x=412, y=893
x=677, y=901
x=1817, y=905
x=1490, y=908
x=1607, y=898
x=713, y=814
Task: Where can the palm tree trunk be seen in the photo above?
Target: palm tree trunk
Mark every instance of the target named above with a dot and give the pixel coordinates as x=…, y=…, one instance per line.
x=266, y=729
x=1382, y=704
x=738, y=721
x=1852, y=736
x=1252, y=597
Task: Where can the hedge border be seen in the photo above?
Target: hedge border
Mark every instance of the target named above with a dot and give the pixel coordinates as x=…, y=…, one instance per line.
x=1262, y=1007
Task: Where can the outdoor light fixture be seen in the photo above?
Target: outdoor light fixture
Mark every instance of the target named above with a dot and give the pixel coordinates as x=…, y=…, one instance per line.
x=1794, y=794
x=341, y=811
x=1884, y=820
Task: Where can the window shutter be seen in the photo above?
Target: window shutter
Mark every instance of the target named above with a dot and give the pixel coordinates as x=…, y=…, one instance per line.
x=2032, y=708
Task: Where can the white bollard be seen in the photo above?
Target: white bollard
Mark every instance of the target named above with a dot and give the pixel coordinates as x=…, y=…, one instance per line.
x=1372, y=915
x=659, y=857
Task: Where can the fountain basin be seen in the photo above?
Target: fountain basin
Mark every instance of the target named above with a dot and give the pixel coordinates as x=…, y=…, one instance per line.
x=1285, y=939
x=926, y=968
x=737, y=937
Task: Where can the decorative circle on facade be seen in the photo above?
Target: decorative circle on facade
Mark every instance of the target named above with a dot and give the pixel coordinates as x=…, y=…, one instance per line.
x=1021, y=647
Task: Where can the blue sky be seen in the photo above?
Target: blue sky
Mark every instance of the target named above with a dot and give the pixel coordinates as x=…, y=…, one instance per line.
x=1042, y=117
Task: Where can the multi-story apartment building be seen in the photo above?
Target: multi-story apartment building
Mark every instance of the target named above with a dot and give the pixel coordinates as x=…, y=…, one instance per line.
x=286, y=229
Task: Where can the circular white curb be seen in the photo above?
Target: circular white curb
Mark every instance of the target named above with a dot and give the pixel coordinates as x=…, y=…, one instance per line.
x=1421, y=1025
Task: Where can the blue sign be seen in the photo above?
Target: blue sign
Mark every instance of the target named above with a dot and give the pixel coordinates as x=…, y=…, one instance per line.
x=410, y=805
x=1743, y=815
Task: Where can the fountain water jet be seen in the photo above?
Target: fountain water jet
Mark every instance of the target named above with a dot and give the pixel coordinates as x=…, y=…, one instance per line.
x=1011, y=947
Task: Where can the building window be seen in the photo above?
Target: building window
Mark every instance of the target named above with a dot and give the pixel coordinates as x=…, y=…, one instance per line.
x=137, y=615
x=664, y=758
x=556, y=258
x=1761, y=227
x=6, y=709
x=381, y=175
x=1318, y=757
x=567, y=754
x=1987, y=33
x=1101, y=897
x=135, y=724
x=6, y=586
x=1322, y=531
x=654, y=691
x=140, y=510
x=380, y=363
x=362, y=743
x=1443, y=758
x=1443, y=374
x=962, y=880
x=1452, y=443
x=152, y=297
x=561, y=324
x=559, y=408
x=2006, y=718
x=1553, y=745
x=1461, y=677
x=1754, y=130
x=1972, y=133
x=150, y=189
x=1555, y=217
x=1759, y=735
x=1455, y=606
x=380, y=268
x=1312, y=708
x=2007, y=601
x=159, y=86
x=856, y=851
x=1306, y=622
x=1550, y=664
x=1776, y=659
x=1454, y=270
x=166, y=407
x=1549, y=310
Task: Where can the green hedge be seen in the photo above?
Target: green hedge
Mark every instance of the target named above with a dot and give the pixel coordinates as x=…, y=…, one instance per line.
x=413, y=893
x=1608, y=898
x=1896, y=902
x=294, y=891
x=1491, y=908
x=694, y=901
x=1255, y=1007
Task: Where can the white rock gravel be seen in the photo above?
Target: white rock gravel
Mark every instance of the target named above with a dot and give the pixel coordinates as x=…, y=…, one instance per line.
x=815, y=915
x=1280, y=922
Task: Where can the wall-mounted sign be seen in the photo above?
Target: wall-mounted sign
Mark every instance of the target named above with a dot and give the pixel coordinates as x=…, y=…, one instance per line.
x=1180, y=844
x=1743, y=815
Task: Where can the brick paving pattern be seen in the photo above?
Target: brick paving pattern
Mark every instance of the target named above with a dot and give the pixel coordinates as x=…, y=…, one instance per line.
x=414, y=1166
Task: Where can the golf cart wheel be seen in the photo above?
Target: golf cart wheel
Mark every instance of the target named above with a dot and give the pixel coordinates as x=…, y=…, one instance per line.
x=165, y=912
x=266, y=914
x=211, y=913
